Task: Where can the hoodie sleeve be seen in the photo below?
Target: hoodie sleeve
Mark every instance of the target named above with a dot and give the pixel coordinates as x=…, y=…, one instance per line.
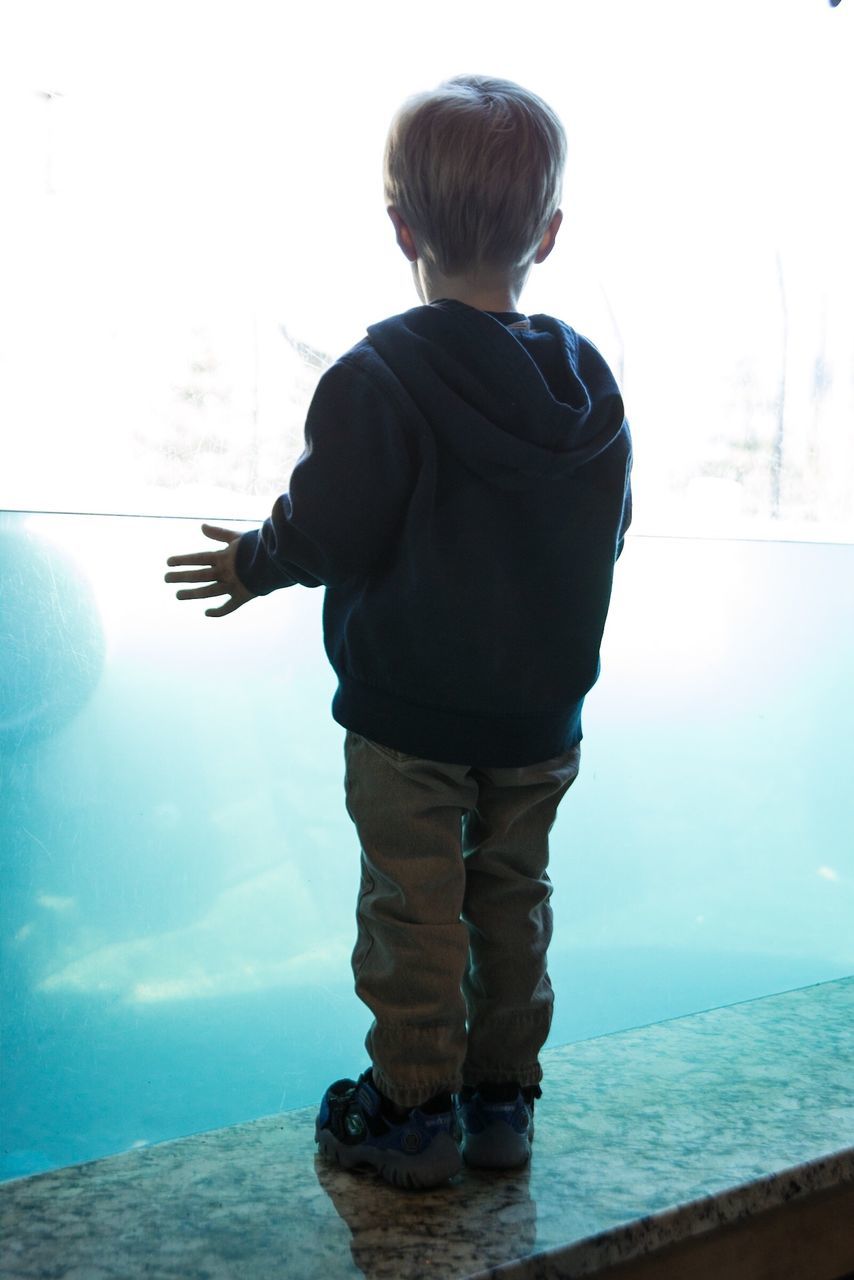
x=348, y=492
x=627, y=494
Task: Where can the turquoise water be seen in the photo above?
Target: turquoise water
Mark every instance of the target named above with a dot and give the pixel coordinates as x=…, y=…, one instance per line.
x=180, y=872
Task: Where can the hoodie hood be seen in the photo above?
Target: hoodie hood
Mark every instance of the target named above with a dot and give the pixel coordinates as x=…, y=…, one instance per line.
x=515, y=405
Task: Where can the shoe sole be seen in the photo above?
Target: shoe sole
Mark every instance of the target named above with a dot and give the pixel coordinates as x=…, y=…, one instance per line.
x=498, y=1147
x=440, y=1163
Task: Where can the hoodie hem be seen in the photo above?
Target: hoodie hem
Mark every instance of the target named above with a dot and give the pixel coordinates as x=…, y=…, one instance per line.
x=453, y=736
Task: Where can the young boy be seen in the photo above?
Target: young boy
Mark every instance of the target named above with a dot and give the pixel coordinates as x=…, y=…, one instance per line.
x=463, y=497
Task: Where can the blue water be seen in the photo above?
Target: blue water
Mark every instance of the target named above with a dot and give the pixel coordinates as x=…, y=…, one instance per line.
x=180, y=872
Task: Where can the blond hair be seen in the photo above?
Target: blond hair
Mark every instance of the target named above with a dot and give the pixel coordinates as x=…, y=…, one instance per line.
x=475, y=167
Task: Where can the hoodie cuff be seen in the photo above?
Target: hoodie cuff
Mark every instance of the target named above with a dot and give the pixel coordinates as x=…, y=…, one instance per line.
x=258, y=573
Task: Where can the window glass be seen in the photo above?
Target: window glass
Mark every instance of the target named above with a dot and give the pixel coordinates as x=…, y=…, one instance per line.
x=195, y=229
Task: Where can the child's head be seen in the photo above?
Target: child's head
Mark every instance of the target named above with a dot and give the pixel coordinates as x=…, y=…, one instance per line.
x=475, y=168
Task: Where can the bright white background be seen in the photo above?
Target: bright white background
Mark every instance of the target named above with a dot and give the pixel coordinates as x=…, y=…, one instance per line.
x=194, y=226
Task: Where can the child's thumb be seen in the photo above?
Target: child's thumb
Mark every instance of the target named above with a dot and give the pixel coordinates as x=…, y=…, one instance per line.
x=221, y=535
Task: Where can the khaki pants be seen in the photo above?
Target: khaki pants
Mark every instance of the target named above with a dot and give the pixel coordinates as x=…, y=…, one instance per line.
x=453, y=916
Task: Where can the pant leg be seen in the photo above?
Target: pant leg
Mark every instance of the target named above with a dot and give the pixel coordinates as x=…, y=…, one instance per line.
x=412, y=946
x=507, y=912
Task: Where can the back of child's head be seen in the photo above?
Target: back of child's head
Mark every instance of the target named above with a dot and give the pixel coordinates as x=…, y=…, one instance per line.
x=475, y=168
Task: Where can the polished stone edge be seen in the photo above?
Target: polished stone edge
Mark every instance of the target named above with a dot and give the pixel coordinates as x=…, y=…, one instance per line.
x=186, y=1145
x=682, y=1223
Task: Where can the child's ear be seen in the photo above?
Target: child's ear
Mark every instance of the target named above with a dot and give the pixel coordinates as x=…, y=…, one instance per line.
x=548, y=241
x=405, y=238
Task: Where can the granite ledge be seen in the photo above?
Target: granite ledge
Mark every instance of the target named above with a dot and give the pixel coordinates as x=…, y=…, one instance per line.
x=644, y=1138
x=651, y=1235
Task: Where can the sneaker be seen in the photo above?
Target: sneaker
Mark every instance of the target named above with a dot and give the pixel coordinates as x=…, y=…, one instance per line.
x=356, y=1127
x=497, y=1122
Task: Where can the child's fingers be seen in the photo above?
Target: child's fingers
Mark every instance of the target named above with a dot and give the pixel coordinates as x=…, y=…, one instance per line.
x=198, y=557
x=202, y=593
x=192, y=575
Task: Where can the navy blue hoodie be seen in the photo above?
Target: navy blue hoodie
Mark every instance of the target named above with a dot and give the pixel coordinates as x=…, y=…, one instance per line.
x=463, y=496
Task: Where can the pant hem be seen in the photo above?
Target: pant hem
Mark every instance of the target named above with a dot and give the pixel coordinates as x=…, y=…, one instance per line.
x=414, y=1095
x=526, y=1076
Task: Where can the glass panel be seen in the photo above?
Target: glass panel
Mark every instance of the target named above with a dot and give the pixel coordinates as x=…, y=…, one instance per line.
x=180, y=872
x=195, y=228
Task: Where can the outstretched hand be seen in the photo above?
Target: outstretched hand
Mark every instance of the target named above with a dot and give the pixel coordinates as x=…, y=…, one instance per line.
x=219, y=573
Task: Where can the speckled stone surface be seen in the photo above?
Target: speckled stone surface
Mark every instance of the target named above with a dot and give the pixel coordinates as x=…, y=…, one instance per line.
x=644, y=1138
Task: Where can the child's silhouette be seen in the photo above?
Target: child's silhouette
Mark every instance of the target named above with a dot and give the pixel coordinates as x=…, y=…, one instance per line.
x=462, y=497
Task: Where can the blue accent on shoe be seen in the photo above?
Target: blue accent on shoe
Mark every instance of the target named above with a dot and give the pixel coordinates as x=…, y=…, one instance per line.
x=497, y=1124
x=352, y=1128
